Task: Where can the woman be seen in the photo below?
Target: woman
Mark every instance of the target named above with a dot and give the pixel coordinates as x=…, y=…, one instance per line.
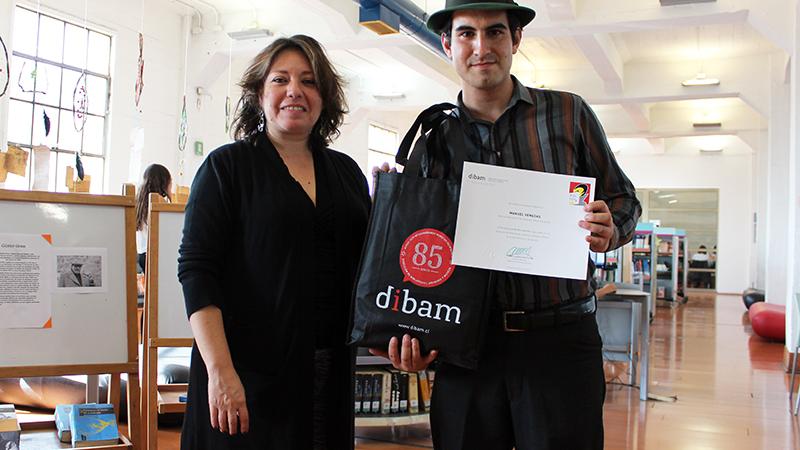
x=272, y=237
x=156, y=179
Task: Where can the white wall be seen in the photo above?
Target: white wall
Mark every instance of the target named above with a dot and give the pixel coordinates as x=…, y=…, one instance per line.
x=163, y=53
x=732, y=175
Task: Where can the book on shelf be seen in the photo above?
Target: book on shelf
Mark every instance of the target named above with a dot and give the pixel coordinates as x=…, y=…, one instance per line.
x=413, y=393
x=366, y=398
x=9, y=427
x=424, y=391
x=395, y=405
x=403, y=380
x=359, y=392
x=377, y=392
x=93, y=424
x=61, y=417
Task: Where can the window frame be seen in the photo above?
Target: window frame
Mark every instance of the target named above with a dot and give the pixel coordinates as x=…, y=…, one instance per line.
x=34, y=102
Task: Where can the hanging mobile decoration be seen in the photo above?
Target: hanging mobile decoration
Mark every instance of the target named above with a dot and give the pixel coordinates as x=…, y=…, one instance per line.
x=183, y=128
x=140, y=74
x=5, y=70
x=31, y=81
x=228, y=94
x=79, y=166
x=80, y=103
x=46, y=123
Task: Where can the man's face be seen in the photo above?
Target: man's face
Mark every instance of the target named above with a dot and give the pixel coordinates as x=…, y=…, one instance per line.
x=76, y=269
x=481, y=47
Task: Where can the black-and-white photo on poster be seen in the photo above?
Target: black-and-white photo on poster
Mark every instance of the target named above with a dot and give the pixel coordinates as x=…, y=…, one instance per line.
x=80, y=270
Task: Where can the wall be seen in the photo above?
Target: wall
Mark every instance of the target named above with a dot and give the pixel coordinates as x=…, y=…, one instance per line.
x=163, y=53
x=732, y=175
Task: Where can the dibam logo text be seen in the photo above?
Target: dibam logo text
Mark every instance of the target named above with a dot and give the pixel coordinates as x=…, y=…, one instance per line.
x=474, y=176
x=392, y=301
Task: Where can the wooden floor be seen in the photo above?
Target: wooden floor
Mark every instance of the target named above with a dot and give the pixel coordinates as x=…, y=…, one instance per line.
x=731, y=390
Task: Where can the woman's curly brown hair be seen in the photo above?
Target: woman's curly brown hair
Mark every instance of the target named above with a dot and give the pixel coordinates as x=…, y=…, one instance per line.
x=329, y=83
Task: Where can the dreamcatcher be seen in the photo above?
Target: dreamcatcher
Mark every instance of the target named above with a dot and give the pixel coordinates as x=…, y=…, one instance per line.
x=80, y=101
x=30, y=80
x=228, y=95
x=140, y=73
x=5, y=70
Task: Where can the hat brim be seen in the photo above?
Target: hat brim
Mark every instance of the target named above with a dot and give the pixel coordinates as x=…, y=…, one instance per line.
x=438, y=20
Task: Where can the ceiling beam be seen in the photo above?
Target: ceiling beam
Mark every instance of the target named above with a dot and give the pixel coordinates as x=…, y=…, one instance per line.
x=639, y=114
x=340, y=15
x=594, y=26
x=658, y=145
x=602, y=54
x=427, y=64
x=660, y=98
x=561, y=10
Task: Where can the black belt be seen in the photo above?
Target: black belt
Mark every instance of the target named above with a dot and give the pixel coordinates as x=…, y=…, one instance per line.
x=515, y=321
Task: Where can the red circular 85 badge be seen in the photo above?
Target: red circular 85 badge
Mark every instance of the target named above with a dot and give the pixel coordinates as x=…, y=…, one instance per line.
x=425, y=258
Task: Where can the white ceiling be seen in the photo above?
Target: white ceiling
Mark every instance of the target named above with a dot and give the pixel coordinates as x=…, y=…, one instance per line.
x=627, y=57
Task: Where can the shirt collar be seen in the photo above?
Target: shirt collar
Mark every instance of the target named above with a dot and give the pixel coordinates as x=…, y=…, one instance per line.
x=520, y=94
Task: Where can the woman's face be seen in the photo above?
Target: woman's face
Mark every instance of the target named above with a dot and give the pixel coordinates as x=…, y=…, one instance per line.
x=290, y=98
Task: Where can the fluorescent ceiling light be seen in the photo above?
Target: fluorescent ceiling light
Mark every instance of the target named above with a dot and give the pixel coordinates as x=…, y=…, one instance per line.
x=389, y=96
x=700, y=80
x=672, y=202
x=250, y=33
x=710, y=124
x=711, y=150
x=666, y=196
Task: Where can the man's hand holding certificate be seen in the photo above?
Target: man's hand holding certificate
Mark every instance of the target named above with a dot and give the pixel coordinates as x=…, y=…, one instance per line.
x=523, y=221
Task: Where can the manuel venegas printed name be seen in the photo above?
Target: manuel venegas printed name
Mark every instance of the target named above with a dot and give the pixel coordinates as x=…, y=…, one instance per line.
x=13, y=246
x=486, y=180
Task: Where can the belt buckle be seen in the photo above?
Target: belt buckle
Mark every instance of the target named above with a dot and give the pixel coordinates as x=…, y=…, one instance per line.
x=505, y=321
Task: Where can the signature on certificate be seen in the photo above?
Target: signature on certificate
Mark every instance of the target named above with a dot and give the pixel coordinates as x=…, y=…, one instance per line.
x=519, y=252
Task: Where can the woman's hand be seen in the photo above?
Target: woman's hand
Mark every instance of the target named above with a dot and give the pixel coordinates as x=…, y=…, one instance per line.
x=226, y=402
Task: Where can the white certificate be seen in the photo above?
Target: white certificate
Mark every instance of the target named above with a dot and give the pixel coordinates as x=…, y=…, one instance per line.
x=522, y=221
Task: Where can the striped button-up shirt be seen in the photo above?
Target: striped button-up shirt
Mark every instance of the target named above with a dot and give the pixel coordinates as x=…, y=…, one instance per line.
x=556, y=132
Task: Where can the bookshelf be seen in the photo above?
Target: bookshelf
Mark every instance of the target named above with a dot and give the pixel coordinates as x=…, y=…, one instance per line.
x=644, y=257
x=394, y=404
x=682, y=263
x=608, y=266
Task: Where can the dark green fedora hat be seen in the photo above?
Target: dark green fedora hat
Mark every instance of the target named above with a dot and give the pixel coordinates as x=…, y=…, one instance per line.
x=439, y=19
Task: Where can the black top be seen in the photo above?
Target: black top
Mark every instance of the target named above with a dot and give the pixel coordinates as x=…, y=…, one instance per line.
x=248, y=248
x=327, y=312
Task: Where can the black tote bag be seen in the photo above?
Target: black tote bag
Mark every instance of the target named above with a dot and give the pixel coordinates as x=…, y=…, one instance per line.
x=406, y=284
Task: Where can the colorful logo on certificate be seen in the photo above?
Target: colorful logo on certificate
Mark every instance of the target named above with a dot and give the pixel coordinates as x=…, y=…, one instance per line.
x=425, y=258
x=579, y=193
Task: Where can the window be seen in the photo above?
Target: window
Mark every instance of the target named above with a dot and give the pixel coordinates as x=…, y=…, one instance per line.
x=382, y=144
x=49, y=57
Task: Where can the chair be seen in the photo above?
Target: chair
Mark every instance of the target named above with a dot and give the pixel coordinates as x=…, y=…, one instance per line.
x=794, y=357
x=618, y=323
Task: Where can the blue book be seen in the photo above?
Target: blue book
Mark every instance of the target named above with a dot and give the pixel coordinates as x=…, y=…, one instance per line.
x=9, y=427
x=93, y=424
x=62, y=422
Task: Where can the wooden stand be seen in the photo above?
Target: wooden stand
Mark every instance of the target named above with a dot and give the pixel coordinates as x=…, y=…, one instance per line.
x=65, y=324
x=158, y=399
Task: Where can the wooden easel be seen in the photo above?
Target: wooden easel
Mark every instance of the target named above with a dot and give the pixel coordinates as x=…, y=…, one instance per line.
x=159, y=399
x=38, y=346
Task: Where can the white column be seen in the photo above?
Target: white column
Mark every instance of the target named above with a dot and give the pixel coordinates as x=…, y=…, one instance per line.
x=777, y=175
x=793, y=209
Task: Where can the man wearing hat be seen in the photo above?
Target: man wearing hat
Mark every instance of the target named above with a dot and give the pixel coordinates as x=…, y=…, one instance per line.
x=539, y=384
x=74, y=278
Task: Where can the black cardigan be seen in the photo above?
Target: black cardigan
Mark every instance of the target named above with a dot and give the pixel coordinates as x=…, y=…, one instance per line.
x=247, y=246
